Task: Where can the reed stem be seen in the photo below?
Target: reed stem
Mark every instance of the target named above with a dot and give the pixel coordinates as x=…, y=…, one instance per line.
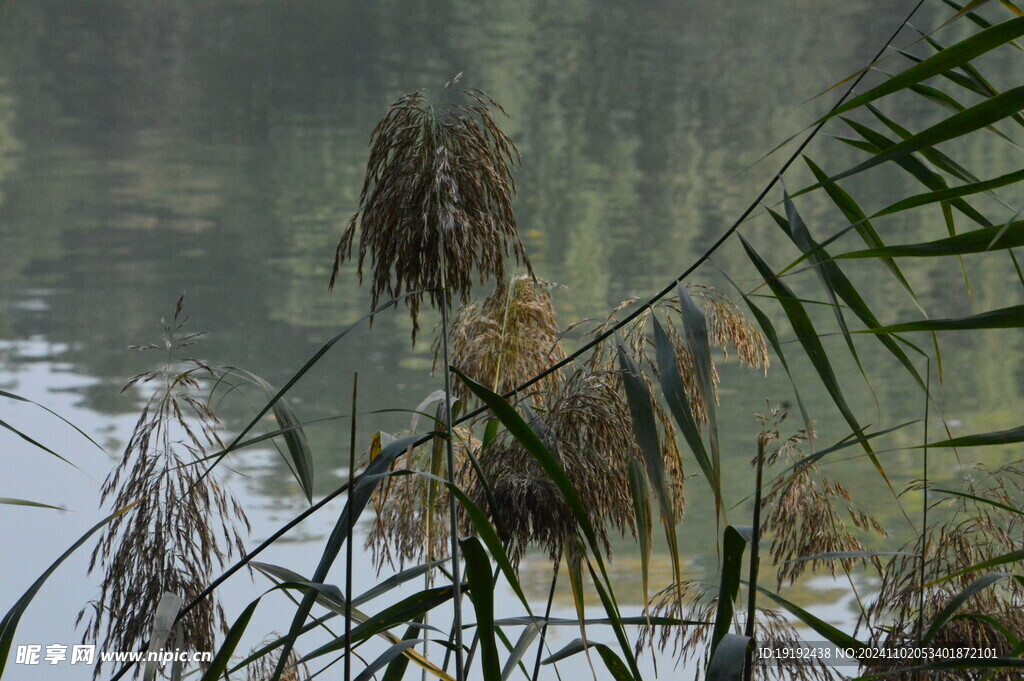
x=351, y=528
x=755, y=559
x=547, y=616
x=452, y=518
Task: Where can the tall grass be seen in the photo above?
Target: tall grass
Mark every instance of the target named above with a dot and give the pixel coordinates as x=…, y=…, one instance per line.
x=587, y=446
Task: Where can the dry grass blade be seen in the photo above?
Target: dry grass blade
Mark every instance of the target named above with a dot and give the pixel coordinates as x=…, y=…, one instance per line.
x=182, y=529
x=507, y=339
x=436, y=204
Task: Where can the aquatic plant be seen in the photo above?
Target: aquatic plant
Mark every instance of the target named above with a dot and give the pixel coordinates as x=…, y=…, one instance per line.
x=435, y=210
x=184, y=525
x=509, y=337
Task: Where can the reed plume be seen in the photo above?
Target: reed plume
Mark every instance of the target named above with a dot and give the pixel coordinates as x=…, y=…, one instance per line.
x=436, y=202
x=508, y=338
x=585, y=423
x=411, y=524
x=183, y=526
x=696, y=602
x=977, y=530
x=802, y=516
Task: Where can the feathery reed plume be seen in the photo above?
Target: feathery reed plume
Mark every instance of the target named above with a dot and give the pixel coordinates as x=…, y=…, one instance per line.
x=436, y=203
x=411, y=523
x=585, y=423
x=262, y=669
x=976, y=531
x=803, y=520
x=183, y=526
x=690, y=600
x=727, y=328
x=507, y=339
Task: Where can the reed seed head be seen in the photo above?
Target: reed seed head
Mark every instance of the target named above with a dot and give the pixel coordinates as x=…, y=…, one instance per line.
x=585, y=423
x=693, y=601
x=412, y=523
x=507, y=339
x=263, y=668
x=975, y=532
x=183, y=526
x=802, y=516
x=436, y=202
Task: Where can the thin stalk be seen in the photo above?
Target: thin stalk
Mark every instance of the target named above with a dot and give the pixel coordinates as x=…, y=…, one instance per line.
x=449, y=447
x=860, y=603
x=755, y=559
x=547, y=616
x=351, y=528
x=924, y=506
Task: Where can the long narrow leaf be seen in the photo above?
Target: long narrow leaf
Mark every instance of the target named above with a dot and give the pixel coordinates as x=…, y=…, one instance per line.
x=824, y=629
x=734, y=544
x=978, y=116
x=695, y=329
x=949, y=58
x=1004, y=318
x=10, y=621
x=1009, y=235
x=672, y=388
x=481, y=593
x=227, y=649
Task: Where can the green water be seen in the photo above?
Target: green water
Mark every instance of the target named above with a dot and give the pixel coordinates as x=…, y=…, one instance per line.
x=218, y=147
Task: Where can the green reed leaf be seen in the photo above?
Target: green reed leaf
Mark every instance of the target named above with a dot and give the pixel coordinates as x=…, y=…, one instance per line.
x=9, y=623
x=671, y=381
x=1010, y=235
x=824, y=629
x=734, y=543
x=481, y=593
x=227, y=649
x=978, y=116
x=394, y=654
x=613, y=662
x=695, y=330
x=949, y=58
x=1004, y=318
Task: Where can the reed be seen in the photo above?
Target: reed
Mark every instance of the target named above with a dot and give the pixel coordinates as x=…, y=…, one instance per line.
x=184, y=526
x=579, y=454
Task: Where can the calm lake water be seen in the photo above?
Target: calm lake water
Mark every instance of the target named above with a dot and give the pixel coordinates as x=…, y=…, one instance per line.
x=218, y=147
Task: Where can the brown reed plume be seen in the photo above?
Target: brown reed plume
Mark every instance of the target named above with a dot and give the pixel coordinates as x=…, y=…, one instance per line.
x=411, y=524
x=508, y=338
x=976, y=530
x=802, y=518
x=693, y=601
x=183, y=526
x=585, y=423
x=436, y=203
